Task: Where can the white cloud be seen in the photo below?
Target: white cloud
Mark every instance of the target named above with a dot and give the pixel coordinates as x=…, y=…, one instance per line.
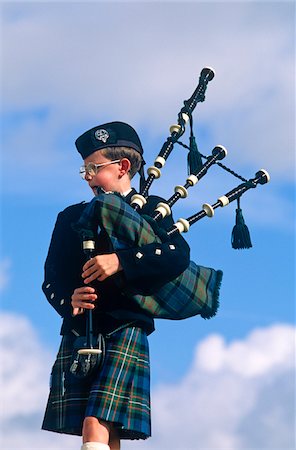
x=95, y=61
x=25, y=370
x=27, y=367
x=236, y=395
x=263, y=351
x=86, y=63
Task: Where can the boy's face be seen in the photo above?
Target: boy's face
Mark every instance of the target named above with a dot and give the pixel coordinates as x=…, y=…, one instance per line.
x=109, y=177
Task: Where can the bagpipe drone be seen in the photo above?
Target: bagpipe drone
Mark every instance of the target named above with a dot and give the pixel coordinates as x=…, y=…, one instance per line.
x=196, y=290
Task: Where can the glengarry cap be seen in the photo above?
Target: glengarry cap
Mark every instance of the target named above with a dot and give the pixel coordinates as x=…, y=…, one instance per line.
x=113, y=134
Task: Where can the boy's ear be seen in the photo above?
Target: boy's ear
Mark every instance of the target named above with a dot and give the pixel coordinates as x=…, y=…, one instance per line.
x=125, y=166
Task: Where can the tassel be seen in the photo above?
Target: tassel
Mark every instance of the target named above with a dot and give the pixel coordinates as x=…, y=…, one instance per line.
x=194, y=161
x=240, y=237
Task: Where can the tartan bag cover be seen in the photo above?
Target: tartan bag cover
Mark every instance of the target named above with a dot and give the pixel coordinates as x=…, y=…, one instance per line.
x=195, y=291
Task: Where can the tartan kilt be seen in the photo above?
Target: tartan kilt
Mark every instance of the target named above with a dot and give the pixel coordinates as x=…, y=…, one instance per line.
x=119, y=393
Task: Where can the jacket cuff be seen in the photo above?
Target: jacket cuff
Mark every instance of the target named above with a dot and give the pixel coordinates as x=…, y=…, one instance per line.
x=59, y=301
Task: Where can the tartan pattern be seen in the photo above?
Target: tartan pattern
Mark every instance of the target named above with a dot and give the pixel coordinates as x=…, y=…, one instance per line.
x=195, y=291
x=123, y=224
x=119, y=392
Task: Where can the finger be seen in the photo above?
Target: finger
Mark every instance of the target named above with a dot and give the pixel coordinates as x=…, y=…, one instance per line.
x=85, y=296
x=95, y=276
x=81, y=300
x=88, y=297
x=87, y=305
x=88, y=263
x=102, y=276
x=79, y=303
x=84, y=289
x=88, y=289
x=86, y=273
x=75, y=311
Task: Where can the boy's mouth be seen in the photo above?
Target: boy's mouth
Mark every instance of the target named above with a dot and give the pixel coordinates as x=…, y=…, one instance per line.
x=94, y=189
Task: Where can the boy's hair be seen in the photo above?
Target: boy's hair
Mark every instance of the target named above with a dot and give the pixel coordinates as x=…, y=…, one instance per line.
x=124, y=152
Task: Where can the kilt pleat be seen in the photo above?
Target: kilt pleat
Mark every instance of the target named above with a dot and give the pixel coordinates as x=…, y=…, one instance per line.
x=119, y=393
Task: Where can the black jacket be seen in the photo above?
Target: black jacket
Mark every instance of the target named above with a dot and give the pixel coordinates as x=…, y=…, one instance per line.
x=63, y=268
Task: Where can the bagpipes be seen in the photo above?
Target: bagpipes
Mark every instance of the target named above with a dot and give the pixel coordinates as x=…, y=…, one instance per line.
x=88, y=351
x=196, y=290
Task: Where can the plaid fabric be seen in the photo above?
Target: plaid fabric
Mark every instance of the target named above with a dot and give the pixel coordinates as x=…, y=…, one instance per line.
x=119, y=392
x=195, y=291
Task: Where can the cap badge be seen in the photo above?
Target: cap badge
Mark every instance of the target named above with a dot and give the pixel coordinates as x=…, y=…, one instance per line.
x=102, y=135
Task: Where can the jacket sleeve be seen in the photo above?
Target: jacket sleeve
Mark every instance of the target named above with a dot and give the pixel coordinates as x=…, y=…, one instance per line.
x=61, y=276
x=150, y=266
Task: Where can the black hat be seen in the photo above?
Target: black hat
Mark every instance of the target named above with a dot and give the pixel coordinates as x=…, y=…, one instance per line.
x=113, y=134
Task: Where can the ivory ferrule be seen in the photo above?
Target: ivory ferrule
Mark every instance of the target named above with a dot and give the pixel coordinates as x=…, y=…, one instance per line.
x=219, y=151
x=138, y=199
x=183, y=225
x=192, y=179
x=224, y=151
x=223, y=200
x=164, y=209
x=154, y=171
x=182, y=191
x=185, y=117
x=266, y=174
x=160, y=160
x=175, y=128
x=88, y=245
x=208, y=209
x=211, y=71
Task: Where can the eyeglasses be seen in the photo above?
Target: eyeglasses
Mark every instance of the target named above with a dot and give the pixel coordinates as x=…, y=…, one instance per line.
x=92, y=168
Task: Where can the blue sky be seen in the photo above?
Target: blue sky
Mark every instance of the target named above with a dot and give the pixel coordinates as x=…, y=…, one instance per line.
x=67, y=66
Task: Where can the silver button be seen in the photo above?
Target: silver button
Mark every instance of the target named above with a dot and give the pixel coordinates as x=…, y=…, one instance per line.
x=52, y=296
x=158, y=251
x=75, y=332
x=62, y=301
x=47, y=286
x=139, y=255
x=172, y=247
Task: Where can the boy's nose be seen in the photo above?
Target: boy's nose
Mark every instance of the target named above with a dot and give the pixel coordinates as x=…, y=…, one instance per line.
x=88, y=176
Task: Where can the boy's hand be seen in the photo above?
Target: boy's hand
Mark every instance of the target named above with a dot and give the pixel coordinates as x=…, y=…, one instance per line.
x=101, y=267
x=83, y=298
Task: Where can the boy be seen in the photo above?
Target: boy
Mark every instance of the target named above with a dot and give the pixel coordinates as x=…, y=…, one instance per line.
x=115, y=403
